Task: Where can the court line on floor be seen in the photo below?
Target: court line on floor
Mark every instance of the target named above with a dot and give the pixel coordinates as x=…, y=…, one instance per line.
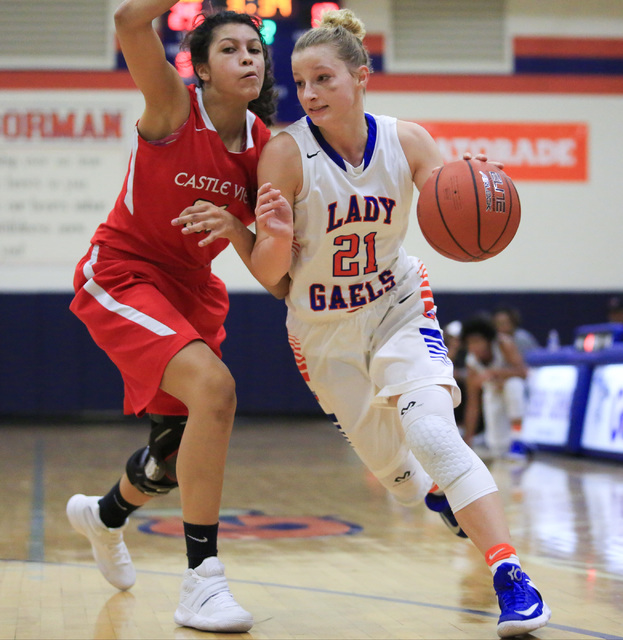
x=36, y=547
x=347, y=594
x=426, y=605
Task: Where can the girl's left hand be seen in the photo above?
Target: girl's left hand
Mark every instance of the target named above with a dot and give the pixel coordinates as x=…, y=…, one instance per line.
x=205, y=217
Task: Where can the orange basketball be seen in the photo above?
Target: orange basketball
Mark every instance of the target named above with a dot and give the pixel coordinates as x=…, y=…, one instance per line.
x=469, y=210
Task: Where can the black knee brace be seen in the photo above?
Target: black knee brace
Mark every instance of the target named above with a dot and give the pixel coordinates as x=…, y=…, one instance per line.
x=152, y=469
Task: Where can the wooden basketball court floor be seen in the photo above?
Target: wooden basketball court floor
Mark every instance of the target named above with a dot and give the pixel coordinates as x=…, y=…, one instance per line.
x=313, y=546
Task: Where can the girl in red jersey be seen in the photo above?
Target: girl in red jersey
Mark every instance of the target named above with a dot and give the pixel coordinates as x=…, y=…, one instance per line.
x=147, y=294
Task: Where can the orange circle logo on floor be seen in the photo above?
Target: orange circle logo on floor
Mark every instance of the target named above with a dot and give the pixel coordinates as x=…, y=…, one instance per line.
x=249, y=525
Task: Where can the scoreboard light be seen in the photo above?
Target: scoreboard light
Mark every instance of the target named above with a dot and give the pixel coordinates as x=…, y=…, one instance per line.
x=318, y=8
x=263, y=8
x=182, y=15
x=184, y=65
x=269, y=29
x=590, y=338
x=593, y=341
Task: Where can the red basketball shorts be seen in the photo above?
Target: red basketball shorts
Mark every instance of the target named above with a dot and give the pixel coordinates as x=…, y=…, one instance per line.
x=141, y=316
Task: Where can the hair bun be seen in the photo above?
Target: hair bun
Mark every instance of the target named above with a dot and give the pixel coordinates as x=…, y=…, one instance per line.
x=344, y=18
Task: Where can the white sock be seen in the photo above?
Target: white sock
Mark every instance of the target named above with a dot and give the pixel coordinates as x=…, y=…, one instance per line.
x=510, y=560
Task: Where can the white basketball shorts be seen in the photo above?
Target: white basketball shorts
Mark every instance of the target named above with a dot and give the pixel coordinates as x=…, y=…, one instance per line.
x=356, y=366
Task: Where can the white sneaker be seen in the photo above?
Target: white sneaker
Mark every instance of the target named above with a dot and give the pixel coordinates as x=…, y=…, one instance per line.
x=109, y=550
x=206, y=603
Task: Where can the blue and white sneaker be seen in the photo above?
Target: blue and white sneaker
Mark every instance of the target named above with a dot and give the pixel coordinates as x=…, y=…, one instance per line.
x=437, y=501
x=521, y=451
x=522, y=606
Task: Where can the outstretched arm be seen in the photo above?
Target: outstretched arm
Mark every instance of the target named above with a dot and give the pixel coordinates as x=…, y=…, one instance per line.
x=167, y=103
x=420, y=149
x=423, y=154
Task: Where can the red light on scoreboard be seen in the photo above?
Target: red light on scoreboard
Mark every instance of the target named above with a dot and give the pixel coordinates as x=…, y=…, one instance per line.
x=597, y=340
x=184, y=65
x=318, y=8
x=182, y=15
x=589, y=342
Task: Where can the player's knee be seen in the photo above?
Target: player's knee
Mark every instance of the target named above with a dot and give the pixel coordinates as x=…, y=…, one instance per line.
x=427, y=416
x=437, y=444
x=152, y=469
x=453, y=466
x=214, y=392
x=223, y=399
x=434, y=438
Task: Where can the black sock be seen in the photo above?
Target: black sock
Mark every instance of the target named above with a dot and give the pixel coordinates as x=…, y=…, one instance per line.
x=114, y=509
x=200, y=542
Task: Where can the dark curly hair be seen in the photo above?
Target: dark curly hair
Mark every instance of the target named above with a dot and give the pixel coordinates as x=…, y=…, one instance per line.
x=480, y=325
x=198, y=41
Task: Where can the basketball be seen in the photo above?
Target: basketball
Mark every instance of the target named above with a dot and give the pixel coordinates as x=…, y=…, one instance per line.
x=469, y=210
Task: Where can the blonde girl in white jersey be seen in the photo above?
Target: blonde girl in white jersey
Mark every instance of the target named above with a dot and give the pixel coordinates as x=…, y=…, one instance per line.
x=332, y=212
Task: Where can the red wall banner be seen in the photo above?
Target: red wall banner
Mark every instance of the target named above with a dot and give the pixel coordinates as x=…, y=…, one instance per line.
x=529, y=151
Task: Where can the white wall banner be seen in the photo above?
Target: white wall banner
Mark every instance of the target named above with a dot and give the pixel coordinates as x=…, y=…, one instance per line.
x=63, y=157
x=603, y=422
x=548, y=411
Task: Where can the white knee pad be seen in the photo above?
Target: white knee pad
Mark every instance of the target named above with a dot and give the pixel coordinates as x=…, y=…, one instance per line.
x=427, y=416
x=407, y=481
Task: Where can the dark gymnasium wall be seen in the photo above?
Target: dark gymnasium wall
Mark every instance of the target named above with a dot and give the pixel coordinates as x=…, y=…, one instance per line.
x=51, y=367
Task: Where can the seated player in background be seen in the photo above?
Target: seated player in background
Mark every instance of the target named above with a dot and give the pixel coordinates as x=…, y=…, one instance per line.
x=495, y=384
x=507, y=321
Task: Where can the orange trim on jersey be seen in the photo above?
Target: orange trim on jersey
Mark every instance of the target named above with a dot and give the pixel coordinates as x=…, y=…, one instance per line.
x=426, y=293
x=541, y=83
x=568, y=47
x=299, y=359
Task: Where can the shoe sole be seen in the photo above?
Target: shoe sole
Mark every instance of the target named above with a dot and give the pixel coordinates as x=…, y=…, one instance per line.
x=512, y=628
x=187, y=618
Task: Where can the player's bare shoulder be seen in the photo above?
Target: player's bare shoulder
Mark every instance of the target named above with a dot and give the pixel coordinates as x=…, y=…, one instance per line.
x=282, y=146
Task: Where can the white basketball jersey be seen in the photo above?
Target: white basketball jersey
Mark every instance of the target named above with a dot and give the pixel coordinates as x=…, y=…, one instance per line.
x=349, y=222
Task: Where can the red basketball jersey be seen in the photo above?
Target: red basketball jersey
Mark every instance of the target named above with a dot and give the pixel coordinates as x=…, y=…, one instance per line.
x=163, y=179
